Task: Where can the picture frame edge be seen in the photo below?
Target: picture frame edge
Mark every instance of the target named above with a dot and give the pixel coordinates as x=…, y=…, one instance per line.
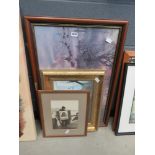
x=115, y=71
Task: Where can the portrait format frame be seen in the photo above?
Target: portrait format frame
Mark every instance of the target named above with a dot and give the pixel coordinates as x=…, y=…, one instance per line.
x=27, y=126
x=112, y=60
x=90, y=80
x=63, y=113
x=126, y=116
x=129, y=57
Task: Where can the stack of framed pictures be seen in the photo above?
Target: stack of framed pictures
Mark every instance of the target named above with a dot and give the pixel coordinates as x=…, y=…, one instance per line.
x=71, y=83
x=124, y=119
x=75, y=55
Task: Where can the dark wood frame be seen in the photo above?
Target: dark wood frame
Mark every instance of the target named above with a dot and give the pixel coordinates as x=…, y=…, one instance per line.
x=121, y=100
x=128, y=55
x=39, y=92
x=103, y=22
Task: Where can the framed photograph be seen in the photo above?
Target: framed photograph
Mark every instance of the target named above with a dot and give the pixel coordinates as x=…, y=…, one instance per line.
x=63, y=113
x=70, y=43
x=126, y=119
x=27, y=128
x=129, y=57
x=90, y=80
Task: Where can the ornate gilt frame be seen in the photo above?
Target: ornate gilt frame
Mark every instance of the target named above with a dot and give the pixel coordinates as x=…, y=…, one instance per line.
x=96, y=76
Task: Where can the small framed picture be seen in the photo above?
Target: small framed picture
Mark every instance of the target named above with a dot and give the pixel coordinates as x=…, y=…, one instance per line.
x=63, y=113
x=126, y=118
x=89, y=80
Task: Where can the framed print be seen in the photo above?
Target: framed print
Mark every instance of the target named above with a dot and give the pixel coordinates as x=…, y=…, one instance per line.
x=63, y=113
x=90, y=80
x=70, y=43
x=129, y=57
x=126, y=119
x=27, y=128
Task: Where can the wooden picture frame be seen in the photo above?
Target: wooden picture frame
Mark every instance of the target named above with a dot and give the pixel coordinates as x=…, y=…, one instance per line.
x=110, y=55
x=129, y=56
x=72, y=107
x=90, y=80
x=126, y=116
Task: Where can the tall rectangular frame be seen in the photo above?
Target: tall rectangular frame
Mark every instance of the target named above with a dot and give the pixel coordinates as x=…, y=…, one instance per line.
x=129, y=56
x=124, y=124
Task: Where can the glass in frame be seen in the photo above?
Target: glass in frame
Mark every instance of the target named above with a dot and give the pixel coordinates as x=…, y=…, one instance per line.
x=63, y=113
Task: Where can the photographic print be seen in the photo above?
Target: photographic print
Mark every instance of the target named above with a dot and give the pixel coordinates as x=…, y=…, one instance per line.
x=72, y=43
x=65, y=114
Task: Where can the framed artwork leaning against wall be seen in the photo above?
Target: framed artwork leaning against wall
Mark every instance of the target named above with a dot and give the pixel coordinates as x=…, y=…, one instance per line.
x=126, y=117
x=63, y=113
x=72, y=43
x=129, y=57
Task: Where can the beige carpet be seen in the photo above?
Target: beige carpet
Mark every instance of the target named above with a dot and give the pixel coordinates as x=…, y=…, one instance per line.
x=102, y=142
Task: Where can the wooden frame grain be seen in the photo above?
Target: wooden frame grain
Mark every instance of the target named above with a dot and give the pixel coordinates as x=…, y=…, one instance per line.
x=106, y=22
x=49, y=76
x=39, y=92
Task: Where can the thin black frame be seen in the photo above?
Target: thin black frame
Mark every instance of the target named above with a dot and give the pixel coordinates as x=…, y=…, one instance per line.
x=122, y=92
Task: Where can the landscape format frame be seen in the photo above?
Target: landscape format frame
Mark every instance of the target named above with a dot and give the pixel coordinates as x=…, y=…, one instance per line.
x=96, y=44
x=27, y=128
x=126, y=118
x=89, y=80
x=63, y=113
x=129, y=57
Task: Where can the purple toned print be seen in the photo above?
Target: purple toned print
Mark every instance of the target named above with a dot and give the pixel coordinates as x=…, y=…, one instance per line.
x=74, y=47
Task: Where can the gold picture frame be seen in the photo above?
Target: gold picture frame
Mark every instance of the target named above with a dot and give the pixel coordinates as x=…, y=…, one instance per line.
x=88, y=79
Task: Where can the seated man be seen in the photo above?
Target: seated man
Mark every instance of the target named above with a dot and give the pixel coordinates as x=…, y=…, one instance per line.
x=64, y=116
